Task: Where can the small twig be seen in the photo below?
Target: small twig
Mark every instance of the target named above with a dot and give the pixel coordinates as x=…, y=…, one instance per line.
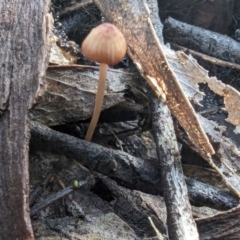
x=118, y=140
x=54, y=197
x=159, y=235
x=75, y=7
x=209, y=111
x=58, y=166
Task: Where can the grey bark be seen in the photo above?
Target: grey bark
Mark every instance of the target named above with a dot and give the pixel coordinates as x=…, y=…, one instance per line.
x=24, y=30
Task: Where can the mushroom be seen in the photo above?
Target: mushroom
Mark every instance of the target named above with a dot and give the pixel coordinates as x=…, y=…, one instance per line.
x=104, y=44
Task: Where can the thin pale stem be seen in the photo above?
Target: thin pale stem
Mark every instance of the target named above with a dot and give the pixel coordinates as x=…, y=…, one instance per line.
x=98, y=101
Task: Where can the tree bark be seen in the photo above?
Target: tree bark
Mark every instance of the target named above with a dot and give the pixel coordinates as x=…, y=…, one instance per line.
x=24, y=31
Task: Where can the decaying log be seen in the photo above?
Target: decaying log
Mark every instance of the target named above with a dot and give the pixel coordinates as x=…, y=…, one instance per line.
x=174, y=187
x=25, y=30
x=127, y=170
x=205, y=41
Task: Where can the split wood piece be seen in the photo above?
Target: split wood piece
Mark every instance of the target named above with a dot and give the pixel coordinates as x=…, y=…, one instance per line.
x=181, y=224
x=133, y=19
x=220, y=226
x=127, y=170
x=205, y=41
x=25, y=30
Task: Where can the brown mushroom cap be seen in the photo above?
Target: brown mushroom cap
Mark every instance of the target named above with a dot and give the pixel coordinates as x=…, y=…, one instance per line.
x=105, y=44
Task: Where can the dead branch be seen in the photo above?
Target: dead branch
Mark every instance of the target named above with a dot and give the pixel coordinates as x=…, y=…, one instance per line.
x=131, y=171
x=211, y=196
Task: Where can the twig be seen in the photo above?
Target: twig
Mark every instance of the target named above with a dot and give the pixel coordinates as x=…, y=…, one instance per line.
x=75, y=7
x=159, y=236
x=54, y=197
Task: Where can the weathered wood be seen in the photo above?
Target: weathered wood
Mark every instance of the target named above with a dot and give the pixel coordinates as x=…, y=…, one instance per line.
x=24, y=32
x=205, y=41
x=175, y=192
